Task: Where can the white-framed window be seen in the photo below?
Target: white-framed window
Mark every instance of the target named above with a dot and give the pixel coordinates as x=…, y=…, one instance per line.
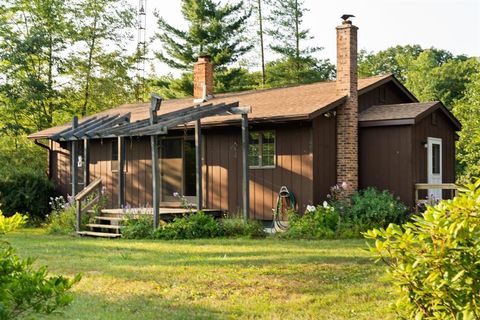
x=261, y=149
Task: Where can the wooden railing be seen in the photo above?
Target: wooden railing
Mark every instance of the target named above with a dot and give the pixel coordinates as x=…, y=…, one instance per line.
x=442, y=186
x=84, y=203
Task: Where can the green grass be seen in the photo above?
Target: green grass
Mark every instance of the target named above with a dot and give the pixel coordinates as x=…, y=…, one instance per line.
x=213, y=279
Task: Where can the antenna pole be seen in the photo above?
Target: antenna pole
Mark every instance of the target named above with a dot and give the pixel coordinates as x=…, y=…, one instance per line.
x=141, y=55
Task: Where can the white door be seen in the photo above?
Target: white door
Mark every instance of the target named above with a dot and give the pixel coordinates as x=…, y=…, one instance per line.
x=434, y=166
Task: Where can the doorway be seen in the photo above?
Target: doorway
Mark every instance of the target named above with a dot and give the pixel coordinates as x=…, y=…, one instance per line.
x=434, y=155
x=178, y=170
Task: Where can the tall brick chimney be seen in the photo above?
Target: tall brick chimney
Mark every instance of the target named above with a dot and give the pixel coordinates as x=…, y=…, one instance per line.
x=203, y=79
x=347, y=115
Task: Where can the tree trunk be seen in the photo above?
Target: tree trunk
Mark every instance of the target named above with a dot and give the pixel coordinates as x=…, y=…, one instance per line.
x=262, y=49
x=88, y=77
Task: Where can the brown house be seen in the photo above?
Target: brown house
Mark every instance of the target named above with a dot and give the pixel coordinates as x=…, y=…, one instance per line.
x=366, y=132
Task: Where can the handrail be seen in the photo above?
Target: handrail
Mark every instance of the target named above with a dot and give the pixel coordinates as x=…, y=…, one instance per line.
x=442, y=186
x=96, y=185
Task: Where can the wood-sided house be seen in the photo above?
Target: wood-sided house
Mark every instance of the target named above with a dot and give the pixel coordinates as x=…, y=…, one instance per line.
x=365, y=132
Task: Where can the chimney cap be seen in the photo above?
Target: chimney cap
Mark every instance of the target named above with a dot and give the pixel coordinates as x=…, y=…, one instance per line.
x=346, y=17
x=204, y=57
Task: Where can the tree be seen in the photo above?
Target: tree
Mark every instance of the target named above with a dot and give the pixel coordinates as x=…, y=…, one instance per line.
x=467, y=110
x=33, y=39
x=297, y=63
x=213, y=28
x=95, y=69
x=258, y=37
x=431, y=74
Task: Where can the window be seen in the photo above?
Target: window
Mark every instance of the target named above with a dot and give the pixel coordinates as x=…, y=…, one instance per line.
x=436, y=158
x=261, y=149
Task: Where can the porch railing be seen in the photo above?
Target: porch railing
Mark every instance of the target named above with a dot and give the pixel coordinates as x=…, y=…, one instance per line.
x=426, y=186
x=84, y=201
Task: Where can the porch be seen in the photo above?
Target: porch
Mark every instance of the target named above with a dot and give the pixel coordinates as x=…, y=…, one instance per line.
x=176, y=164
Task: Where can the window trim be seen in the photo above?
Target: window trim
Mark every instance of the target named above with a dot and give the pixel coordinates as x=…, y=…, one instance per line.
x=261, y=150
x=114, y=169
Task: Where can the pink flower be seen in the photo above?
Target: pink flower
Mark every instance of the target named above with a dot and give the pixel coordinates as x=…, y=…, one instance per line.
x=344, y=185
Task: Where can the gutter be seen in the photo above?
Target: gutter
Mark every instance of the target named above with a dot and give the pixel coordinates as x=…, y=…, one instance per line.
x=50, y=153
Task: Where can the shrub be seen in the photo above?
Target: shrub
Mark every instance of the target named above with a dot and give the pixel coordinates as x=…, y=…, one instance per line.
x=62, y=218
x=319, y=222
x=137, y=226
x=371, y=208
x=24, y=290
x=197, y=225
x=434, y=260
x=238, y=227
x=27, y=191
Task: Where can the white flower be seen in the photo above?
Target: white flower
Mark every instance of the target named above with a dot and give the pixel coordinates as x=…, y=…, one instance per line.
x=311, y=208
x=344, y=185
x=176, y=194
x=325, y=204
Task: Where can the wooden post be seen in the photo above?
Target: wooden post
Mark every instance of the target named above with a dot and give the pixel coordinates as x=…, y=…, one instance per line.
x=155, y=103
x=198, y=162
x=121, y=171
x=86, y=163
x=74, y=159
x=245, y=169
x=155, y=181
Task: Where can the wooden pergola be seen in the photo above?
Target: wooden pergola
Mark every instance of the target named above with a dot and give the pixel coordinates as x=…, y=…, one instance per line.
x=119, y=126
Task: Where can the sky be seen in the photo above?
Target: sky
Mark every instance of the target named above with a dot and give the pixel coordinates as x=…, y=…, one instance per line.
x=453, y=25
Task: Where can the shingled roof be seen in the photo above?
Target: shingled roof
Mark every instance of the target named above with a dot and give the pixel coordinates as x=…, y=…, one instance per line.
x=402, y=113
x=300, y=102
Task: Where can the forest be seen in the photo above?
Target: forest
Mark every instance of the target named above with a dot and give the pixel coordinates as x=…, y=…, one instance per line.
x=64, y=58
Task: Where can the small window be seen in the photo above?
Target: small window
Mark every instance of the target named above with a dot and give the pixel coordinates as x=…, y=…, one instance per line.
x=436, y=158
x=261, y=149
x=434, y=118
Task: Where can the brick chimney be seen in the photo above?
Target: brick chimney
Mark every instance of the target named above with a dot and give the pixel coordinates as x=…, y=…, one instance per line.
x=347, y=114
x=203, y=79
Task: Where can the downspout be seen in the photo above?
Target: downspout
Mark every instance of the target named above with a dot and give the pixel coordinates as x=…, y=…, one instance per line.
x=44, y=146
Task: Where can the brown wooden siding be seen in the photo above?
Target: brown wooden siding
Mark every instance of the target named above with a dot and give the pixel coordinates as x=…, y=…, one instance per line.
x=385, y=160
x=293, y=169
x=324, y=157
x=387, y=93
x=443, y=130
x=60, y=168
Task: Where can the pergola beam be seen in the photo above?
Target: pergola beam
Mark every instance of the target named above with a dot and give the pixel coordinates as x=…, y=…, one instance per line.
x=156, y=184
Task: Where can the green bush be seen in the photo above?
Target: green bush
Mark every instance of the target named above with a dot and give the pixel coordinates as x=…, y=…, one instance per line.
x=238, y=227
x=23, y=290
x=434, y=261
x=137, y=226
x=370, y=209
x=320, y=222
x=197, y=225
x=26, y=191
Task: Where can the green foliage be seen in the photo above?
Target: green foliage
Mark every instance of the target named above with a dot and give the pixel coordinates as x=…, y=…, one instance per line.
x=25, y=190
x=430, y=74
x=467, y=110
x=62, y=222
x=371, y=208
x=25, y=291
x=194, y=226
x=212, y=28
x=138, y=226
x=298, y=71
x=434, y=260
x=9, y=224
x=319, y=223
x=238, y=227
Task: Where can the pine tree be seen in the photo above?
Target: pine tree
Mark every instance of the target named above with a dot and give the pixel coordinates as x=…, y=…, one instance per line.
x=297, y=63
x=213, y=28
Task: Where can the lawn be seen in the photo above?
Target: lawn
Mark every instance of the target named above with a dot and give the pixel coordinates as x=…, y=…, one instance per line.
x=213, y=279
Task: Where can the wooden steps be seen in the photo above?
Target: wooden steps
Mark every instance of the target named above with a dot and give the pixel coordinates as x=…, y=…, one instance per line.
x=104, y=226
x=99, y=234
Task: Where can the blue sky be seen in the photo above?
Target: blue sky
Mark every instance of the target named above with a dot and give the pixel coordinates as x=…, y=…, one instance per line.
x=448, y=24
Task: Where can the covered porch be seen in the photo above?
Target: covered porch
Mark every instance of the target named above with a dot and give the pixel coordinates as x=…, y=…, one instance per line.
x=176, y=160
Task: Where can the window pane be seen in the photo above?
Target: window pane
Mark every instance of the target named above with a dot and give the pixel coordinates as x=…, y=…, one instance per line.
x=254, y=149
x=435, y=158
x=268, y=149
